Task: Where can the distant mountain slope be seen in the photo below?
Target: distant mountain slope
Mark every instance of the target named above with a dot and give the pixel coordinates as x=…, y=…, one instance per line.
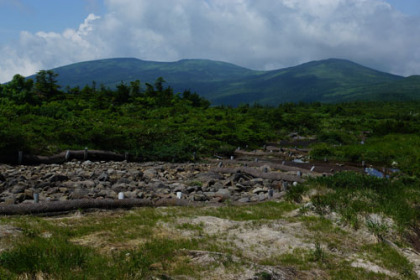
x=184, y=72
x=331, y=80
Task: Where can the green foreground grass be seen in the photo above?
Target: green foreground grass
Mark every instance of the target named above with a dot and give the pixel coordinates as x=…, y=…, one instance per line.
x=161, y=242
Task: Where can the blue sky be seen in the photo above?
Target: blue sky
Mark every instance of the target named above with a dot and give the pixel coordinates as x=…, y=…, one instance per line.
x=43, y=15
x=263, y=34
x=410, y=7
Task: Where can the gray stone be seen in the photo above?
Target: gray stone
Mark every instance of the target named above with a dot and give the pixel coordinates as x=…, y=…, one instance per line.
x=103, y=177
x=244, y=200
x=119, y=187
x=209, y=194
x=209, y=176
x=256, y=181
x=150, y=173
x=259, y=190
x=199, y=197
x=88, y=184
x=262, y=196
x=58, y=178
x=217, y=186
x=79, y=193
x=178, y=187
x=225, y=193
x=20, y=188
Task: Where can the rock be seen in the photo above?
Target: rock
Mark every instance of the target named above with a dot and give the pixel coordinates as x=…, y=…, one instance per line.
x=178, y=187
x=262, y=196
x=79, y=193
x=225, y=193
x=199, y=197
x=150, y=173
x=159, y=185
x=63, y=198
x=58, y=178
x=209, y=194
x=130, y=194
x=88, y=184
x=257, y=181
x=217, y=186
x=135, y=174
x=10, y=200
x=20, y=188
x=254, y=198
x=29, y=194
x=124, y=181
x=20, y=197
x=244, y=200
x=193, y=189
x=119, y=188
x=87, y=163
x=207, y=176
x=265, y=168
x=103, y=177
x=278, y=195
x=258, y=190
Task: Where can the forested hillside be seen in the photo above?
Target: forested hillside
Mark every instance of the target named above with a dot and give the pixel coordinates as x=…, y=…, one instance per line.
x=329, y=222
x=152, y=122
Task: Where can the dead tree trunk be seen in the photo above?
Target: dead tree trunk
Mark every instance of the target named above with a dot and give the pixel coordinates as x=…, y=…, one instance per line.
x=259, y=174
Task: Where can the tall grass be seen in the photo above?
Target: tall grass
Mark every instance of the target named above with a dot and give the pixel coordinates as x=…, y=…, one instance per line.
x=354, y=194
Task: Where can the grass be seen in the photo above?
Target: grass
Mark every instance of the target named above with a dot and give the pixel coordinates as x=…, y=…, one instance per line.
x=402, y=149
x=356, y=194
x=81, y=247
x=147, y=242
x=386, y=256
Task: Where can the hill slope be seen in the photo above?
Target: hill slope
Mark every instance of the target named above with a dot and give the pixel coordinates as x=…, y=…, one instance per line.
x=331, y=80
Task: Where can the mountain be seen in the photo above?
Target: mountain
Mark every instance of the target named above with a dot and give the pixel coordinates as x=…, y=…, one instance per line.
x=331, y=80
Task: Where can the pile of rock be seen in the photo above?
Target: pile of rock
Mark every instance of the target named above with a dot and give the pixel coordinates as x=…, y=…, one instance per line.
x=111, y=180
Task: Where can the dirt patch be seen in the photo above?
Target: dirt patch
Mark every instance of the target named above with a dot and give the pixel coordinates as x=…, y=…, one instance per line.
x=253, y=240
x=7, y=234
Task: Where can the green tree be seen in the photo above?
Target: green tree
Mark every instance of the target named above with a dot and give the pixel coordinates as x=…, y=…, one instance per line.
x=46, y=84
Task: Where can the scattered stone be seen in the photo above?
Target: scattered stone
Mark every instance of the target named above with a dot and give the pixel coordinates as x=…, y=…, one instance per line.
x=224, y=193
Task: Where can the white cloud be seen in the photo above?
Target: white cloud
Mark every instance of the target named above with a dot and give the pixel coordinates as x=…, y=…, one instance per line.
x=257, y=34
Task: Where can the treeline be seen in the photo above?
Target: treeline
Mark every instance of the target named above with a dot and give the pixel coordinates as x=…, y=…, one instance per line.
x=152, y=122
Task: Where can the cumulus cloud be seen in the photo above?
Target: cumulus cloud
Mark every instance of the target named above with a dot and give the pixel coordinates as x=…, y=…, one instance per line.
x=261, y=34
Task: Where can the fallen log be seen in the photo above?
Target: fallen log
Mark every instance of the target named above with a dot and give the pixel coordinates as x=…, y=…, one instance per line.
x=259, y=174
x=279, y=166
x=46, y=207
x=92, y=155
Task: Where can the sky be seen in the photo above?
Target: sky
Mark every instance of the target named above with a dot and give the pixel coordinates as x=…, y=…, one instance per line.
x=258, y=34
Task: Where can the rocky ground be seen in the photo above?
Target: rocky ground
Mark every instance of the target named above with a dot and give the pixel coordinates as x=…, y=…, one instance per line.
x=248, y=177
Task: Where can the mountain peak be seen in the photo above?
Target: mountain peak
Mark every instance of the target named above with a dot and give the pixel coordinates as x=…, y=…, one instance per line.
x=329, y=80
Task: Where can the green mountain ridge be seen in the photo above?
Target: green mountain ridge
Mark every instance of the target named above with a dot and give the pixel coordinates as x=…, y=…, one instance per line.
x=330, y=80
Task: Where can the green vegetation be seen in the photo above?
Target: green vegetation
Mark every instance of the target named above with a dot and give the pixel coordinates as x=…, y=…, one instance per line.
x=165, y=242
x=355, y=195
x=152, y=122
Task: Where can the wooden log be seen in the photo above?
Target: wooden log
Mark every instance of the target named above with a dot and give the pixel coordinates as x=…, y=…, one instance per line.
x=93, y=155
x=259, y=174
x=46, y=207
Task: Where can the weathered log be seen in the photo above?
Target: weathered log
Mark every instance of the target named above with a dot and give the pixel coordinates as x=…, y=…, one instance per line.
x=92, y=155
x=259, y=174
x=46, y=207
x=277, y=166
